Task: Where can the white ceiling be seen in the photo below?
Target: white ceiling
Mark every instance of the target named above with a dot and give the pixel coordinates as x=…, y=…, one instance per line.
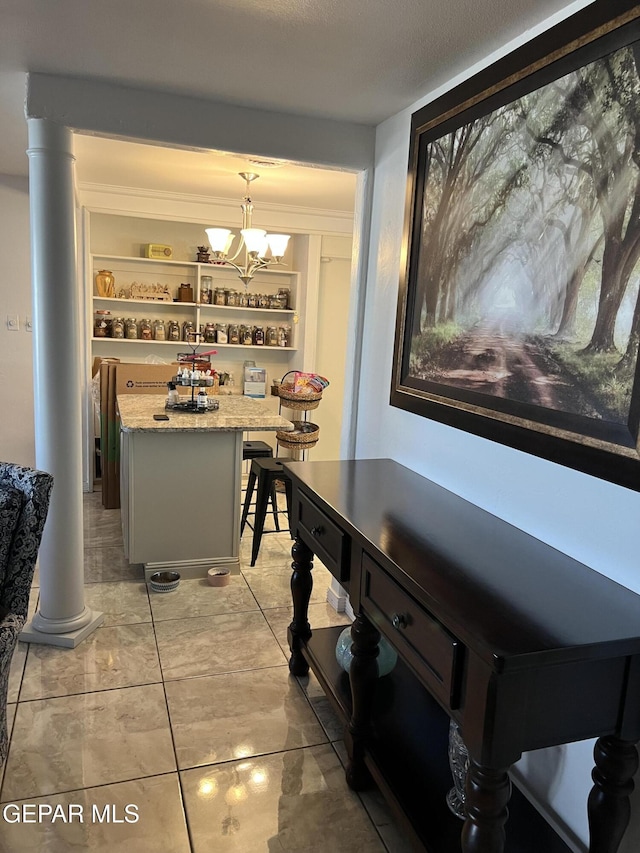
x=357, y=60
x=210, y=173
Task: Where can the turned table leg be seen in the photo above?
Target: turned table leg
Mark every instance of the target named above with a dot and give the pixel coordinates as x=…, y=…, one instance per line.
x=301, y=585
x=486, y=797
x=363, y=676
x=608, y=806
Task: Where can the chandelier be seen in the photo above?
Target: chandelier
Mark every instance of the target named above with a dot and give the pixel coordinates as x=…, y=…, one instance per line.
x=255, y=242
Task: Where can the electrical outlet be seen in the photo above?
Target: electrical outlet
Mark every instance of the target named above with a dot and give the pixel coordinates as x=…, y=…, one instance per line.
x=13, y=322
x=28, y=324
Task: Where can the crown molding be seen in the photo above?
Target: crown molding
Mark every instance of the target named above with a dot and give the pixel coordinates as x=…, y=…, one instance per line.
x=208, y=210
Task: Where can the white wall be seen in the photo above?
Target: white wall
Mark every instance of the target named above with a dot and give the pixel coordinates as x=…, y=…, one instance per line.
x=591, y=520
x=331, y=351
x=16, y=358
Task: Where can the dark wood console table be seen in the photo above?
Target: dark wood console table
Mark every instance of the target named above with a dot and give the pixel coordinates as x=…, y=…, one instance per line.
x=521, y=645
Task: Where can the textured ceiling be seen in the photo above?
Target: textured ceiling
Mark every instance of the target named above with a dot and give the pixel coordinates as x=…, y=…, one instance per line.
x=360, y=60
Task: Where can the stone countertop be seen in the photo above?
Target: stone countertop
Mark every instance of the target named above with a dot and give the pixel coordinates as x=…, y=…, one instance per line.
x=236, y=412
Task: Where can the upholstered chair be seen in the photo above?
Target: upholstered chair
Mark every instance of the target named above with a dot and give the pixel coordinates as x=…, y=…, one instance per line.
x=24, y=503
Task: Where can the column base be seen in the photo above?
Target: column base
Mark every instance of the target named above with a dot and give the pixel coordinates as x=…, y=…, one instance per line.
x=67, y=639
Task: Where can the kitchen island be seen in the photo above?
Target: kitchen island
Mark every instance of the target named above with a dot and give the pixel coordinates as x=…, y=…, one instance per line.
x=180, y=481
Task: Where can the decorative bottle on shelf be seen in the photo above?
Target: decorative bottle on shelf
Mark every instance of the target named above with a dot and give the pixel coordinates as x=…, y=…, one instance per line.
x=105, y=284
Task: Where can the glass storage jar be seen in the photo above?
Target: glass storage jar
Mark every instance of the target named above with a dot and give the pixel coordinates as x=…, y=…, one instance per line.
x=252, y=300
x=188, y=332
x=232, y=298
x=284, y=297
x=159, y=330
x=220, y=296
x=102, y=324
x=258, y=336
x=146, y=330
x=206, y=285
x=210, y=333
x=263, y=300
x=234, y=333
x=131, y=328
x=222, y=333
x=246, y=335
x=173, y=332
x=284, y=336
x=118, y=327
x=271, y=336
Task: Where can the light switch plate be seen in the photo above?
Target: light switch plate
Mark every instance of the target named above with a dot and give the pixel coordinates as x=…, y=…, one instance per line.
x=28, y=324
x=13, y=322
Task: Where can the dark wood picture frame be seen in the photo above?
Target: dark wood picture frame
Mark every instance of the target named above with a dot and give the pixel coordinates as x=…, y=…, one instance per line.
x=455, y=382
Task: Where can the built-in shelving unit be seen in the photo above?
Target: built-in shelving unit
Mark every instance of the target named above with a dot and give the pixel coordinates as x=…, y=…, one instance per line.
x=170, y=274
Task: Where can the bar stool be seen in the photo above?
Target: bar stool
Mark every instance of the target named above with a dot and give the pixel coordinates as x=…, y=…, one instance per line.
x=260, y=450
x=266, y=472
x=256, y=450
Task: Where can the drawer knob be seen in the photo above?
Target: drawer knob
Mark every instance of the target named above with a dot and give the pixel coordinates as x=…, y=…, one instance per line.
x=399, y=621
x=317, y=531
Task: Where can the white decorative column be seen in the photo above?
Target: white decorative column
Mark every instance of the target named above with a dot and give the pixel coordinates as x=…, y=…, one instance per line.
x=62, y=619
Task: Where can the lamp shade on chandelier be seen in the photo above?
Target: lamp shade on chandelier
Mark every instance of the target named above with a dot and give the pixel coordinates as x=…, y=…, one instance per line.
x=260, y=249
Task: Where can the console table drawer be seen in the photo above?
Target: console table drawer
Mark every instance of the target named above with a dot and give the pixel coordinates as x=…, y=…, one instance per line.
x=325, y=538
x=434, y=653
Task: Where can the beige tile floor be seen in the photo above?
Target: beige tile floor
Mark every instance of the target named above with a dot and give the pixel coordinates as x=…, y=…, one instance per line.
x=176, y=727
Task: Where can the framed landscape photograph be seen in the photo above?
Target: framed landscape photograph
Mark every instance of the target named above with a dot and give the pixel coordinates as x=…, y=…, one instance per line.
x=519, y=303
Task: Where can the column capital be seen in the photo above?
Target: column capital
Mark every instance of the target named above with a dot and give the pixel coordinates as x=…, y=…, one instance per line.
x=49, y=136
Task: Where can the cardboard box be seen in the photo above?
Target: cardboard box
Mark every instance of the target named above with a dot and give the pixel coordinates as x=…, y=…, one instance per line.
x=122, y=378
x=109, y=448
x=144, y=378
x=98, y=360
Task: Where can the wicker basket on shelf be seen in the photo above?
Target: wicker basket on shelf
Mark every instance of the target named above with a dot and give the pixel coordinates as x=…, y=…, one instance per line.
x=304, y=435
x=303, y=400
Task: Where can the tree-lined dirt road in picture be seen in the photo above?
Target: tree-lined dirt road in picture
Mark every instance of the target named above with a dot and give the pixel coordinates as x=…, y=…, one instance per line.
x=514, y=367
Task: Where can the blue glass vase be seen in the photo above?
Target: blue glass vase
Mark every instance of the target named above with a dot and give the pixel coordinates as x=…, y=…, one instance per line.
x=386, y=660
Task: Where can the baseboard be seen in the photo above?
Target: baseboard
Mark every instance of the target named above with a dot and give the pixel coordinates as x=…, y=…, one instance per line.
x=338, y=602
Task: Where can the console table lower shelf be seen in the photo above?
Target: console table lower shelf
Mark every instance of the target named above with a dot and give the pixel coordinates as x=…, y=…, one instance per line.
x=407, y=757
